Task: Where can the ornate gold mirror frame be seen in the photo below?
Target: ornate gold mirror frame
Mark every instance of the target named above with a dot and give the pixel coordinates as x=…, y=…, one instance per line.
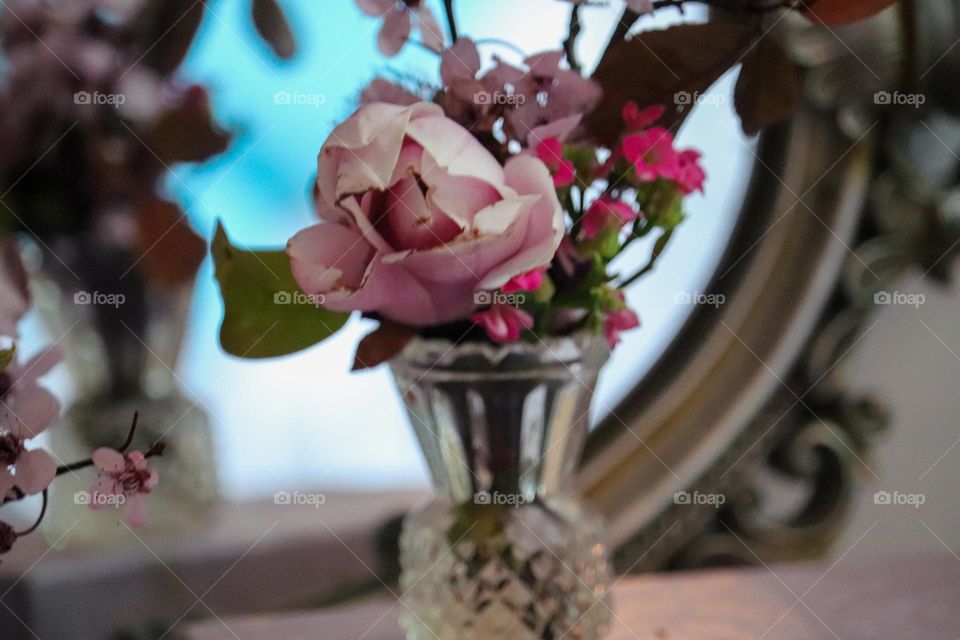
x=755, y=386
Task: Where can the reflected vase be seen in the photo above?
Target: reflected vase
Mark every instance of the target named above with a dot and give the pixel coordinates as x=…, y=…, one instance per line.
x=505, y=549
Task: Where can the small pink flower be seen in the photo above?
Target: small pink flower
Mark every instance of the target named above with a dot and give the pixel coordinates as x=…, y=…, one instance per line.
x=641, y=6
x=503, y=323
x=529, y=281
x=26, y=410
x=123, y=475
x=637, y=119
x=617, y=322
x=550, y=152
x=398, y=18
x=689, y=175
x=604, y=214
x=568, y=257
x=652, y=154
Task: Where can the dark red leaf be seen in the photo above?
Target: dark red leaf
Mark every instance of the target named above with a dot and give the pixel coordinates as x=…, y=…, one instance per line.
x=768, y=87
x=273, y=27
x=839, y=12
x=654, y=67
x=380, y=345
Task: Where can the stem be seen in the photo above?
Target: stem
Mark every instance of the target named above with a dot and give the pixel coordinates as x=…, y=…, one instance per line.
x=451, y=21
x=503, y=43
x=570, y=44
x=43, y=512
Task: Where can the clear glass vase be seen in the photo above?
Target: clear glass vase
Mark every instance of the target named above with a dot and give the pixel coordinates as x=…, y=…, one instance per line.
x=505, y=549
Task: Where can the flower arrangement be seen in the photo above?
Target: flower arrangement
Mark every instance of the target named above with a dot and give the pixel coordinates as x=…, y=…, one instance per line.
x=27, y=409
x=494, y=206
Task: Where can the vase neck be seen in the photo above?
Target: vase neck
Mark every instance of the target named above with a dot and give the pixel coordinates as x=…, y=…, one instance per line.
x=503, y=430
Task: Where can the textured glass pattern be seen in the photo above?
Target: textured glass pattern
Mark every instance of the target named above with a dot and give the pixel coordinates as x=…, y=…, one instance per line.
x=505, y=550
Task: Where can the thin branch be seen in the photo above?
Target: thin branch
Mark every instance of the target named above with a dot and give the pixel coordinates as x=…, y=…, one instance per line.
x=43, y=512
x=451, y=21
x=133, y=430
x=155, y=449
x=570, y=44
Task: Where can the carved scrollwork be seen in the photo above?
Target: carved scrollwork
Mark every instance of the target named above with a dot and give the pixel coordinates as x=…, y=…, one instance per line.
x=788, y=479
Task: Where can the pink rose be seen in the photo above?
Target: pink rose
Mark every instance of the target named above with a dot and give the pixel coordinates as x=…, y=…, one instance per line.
x=419, y=216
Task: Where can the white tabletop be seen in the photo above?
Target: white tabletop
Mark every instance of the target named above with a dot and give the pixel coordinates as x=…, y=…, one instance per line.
x=898, y=599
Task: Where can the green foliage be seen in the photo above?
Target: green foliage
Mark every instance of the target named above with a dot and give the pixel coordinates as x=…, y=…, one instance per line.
x=265, y=313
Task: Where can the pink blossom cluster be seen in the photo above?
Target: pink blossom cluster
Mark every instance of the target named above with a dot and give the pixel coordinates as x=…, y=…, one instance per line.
x=487, y=203
x=27, y=409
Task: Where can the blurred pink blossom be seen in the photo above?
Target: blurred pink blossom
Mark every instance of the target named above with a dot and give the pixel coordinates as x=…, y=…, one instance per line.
x=604, y=214
x=529, y=281
x=617, y=322
x=652, y=154
x=398, y=19
x=503, y=323
x=123, y=475
x=637, y=119
x=26, y=410
x=550, y=152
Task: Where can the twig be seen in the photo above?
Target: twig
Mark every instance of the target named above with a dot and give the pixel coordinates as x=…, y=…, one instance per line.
x=155, y=449
x=43, y=512
x=451, y=21
x=570, y=44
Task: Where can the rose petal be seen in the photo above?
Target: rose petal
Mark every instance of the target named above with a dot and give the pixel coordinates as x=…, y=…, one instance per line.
x=326, y=257
x=544, y=230
x=459, y=197
x=450, y=146
x=361, y=153
x=412, y=224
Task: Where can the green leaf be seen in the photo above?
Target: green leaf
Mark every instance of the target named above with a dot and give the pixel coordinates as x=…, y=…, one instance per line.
x=265, y=313
x=6, y=356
